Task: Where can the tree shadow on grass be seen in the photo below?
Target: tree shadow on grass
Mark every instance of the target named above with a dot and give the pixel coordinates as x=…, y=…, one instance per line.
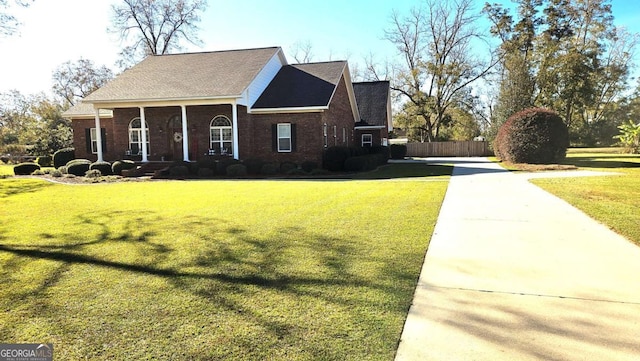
x=226, y=266
x=604, y=161
x=12, y=187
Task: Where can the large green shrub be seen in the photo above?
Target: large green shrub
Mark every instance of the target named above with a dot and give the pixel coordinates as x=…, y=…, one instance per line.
x=78, y=167
x=118, y=166
x=535, y=135
x=63, y=156
x=360, y=163
x=285, y=167
x=25, y=168
x=398, y=151
x=103, y=167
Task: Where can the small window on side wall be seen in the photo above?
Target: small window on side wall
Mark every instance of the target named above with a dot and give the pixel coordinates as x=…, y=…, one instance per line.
x=283, y=137
x=367, y=140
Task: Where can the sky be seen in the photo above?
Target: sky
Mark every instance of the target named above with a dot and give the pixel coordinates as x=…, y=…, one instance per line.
x=56, y=31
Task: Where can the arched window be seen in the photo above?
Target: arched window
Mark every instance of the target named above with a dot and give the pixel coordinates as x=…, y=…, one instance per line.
x=221, y=136
x=135, y=136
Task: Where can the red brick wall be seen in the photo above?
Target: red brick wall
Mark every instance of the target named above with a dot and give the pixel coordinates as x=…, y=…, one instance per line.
x=254, y=131
x=340, y=116
x=79, y=127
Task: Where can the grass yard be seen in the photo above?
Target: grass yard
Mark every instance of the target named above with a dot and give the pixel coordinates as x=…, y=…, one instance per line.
x=214, y=270
x=612, y=200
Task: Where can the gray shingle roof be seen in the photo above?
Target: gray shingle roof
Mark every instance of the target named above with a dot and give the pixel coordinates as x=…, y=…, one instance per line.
x=302, y=85
x=84, y=110
x=186, y=76
x=372, y=98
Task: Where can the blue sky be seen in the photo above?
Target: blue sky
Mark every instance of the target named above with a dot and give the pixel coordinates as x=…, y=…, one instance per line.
x=57, y=31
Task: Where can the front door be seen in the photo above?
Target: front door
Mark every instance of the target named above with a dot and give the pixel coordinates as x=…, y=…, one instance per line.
x=174, y=137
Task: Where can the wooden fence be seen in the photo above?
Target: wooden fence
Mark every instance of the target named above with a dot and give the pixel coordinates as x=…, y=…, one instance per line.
x=449, y=149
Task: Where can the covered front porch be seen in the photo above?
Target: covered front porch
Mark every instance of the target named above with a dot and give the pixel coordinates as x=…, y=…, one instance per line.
x=168, y=132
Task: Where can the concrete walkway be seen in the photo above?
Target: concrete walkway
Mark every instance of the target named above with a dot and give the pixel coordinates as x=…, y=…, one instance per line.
x=514, y=273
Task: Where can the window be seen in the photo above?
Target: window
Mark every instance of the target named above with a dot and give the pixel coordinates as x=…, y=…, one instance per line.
x=135, y=136
x=344, y=135
x=335, y=135
x=221, y=136
x=284, y=137
x=92, y=140
x=367, y=140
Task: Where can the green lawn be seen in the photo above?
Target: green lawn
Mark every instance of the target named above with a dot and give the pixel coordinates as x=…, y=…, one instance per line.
x=214, y=270
x=612, y=200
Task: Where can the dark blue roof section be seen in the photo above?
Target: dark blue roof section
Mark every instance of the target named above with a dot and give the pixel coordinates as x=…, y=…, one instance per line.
x=302, y=85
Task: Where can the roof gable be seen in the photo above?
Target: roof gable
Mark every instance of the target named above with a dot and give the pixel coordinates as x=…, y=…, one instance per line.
x=301, y=86
x=186, y=76
x=373, y=102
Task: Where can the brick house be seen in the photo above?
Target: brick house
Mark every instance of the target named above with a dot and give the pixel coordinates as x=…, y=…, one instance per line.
x=239, y=103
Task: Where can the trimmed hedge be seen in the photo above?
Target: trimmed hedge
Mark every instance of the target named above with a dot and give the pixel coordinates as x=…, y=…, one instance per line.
x=63, y=156
x=285, y=167
x=25, y=168
x=269, y=169
x=534, y=135
x=118, y=166
x=398, y=151
x=361, y=163
x=103, y=167
x=78, y=167
x=308, y=166
x=237, y=170
x=254, y=165
x=44, y=161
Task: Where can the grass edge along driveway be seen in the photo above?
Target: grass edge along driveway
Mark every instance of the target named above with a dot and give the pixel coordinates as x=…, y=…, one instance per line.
x=207, y=270
x=611, y=200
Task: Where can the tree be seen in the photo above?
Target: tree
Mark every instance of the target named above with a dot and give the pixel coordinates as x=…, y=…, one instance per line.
x=302, y=52
x=438, y=65
x=73, y=81
x=8, y=22
x=34, y=121
x=572, y=59
x=154, y=27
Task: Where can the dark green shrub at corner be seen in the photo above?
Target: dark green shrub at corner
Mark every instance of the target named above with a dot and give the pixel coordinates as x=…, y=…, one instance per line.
x=78, y=167
x=535, y=135
x=63, y=156
x=334, y=157
x=118, y=166
x=360, y=163
x=25, y=168
x=103, y=167
x=398, y=151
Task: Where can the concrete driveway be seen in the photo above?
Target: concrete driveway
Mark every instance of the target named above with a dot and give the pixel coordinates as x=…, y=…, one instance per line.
x=514, y=273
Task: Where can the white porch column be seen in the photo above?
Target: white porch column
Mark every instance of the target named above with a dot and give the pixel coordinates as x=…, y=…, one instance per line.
x=143, y=126
x=234, y=116
x=185, y=134
x=99, y=136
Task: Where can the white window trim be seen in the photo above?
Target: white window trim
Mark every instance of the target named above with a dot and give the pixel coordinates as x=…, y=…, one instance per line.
x=94, y=141
x=219, y=129
x=370, y=142
x=281, y=150
x=139, y=132
x=324, y=135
